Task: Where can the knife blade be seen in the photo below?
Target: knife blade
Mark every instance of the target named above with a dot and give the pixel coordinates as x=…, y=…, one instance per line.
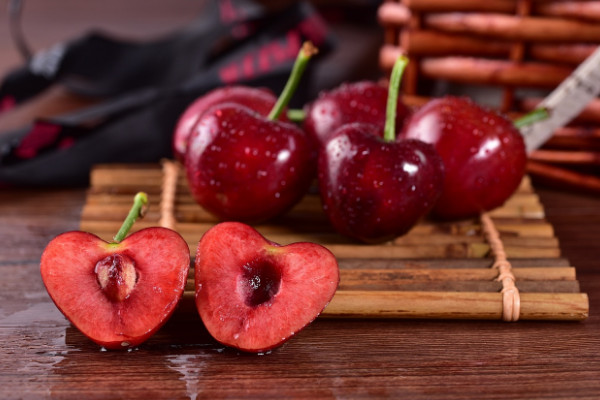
x=565, y=102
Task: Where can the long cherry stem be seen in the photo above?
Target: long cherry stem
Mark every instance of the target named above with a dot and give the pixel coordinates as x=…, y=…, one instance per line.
x=389, y=130
x=137, y=210
x=304, y=55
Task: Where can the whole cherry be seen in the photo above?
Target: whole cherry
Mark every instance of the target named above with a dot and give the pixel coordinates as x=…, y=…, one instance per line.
x=246, y=167
x=372, y=188
x=261, y=100
x=483, y=152
x=363, y=101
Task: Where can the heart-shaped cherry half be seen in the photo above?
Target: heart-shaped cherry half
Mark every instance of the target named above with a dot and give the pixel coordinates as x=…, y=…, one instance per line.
x=253, y=294
x=261, y=100
x=372, y=188
x=483, y=153
x=363, y=101
x=246, y=167
x=119, y=293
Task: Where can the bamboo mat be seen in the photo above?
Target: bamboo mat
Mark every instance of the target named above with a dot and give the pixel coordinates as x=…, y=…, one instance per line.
x=438, y=270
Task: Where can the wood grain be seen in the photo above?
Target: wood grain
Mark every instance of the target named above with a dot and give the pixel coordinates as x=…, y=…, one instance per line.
x=42, y=356
x=413, y=293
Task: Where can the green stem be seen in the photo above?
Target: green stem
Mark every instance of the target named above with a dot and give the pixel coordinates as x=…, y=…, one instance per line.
x=137, y=210
x=296, y=115
x=539, y=114
x=306, y=52
x=389, y=131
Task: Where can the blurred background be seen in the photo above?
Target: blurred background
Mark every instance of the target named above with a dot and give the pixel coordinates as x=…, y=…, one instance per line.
x=46, y=23
x=507, y=54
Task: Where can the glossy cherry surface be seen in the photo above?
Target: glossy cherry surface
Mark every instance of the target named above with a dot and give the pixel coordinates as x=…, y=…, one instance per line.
x=373, y=190
x=241, y=166
x=362, y=101
x=260, y=100
x=484, y=154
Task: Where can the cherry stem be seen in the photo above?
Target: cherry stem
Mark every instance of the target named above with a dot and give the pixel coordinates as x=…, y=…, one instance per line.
x=137, y=210
x=539, y=114
x=304, y=55
x=389, y=130
x=297, y=115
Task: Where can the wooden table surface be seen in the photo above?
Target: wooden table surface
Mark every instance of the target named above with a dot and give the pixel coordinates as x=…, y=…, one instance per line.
x=42, y=356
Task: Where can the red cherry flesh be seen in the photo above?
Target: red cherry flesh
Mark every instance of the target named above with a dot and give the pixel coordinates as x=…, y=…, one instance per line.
x=253, y=294
x=117, y=294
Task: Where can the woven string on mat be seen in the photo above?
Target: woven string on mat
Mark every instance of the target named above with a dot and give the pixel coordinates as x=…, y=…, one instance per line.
x=167, y=198
x=511, y=300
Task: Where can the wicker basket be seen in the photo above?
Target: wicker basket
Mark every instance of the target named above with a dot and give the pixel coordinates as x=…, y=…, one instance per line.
x=513, y=52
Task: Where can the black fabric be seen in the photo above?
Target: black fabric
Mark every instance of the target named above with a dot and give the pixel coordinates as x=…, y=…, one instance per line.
x=148, y=85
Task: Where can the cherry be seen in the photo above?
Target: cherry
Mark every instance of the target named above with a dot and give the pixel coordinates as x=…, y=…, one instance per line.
x=254, y=294
x=363, y=101
x=119, y=293
x=483, y=152
x=245, y=167
x=260, y=100
x=372, y=188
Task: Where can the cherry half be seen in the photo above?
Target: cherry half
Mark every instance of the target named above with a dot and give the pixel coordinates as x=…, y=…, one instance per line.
x=254, y=294
x=117, y=293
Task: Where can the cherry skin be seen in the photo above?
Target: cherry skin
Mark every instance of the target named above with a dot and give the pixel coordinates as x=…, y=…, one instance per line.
x=242, y=166
x=362, y=101
x=483, y=152
x=260, y=100
x=374, y=190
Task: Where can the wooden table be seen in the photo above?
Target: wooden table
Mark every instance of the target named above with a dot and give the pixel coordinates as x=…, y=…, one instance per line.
x=42, y=356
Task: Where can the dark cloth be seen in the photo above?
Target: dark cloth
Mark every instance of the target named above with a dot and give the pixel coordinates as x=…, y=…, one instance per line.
x=146, y=86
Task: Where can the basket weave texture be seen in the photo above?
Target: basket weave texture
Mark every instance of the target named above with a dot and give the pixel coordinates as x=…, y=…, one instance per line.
x=509, y=44
x=514, y=52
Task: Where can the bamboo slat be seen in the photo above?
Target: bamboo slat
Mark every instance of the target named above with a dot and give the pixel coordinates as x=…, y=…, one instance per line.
x=437, y=270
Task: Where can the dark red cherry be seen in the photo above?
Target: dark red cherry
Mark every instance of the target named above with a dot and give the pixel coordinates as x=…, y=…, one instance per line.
x=373, y=187
x=363, y=101
x=242, y=166
x=260, y=100
x=483, y=152
x=373, y=190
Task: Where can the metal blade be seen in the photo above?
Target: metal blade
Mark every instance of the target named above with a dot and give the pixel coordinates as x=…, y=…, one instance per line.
x=566, y=101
